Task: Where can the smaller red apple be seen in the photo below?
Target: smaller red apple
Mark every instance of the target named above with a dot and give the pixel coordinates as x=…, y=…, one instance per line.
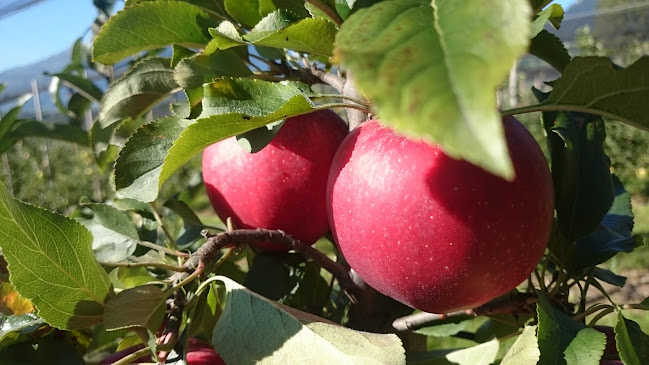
x=611, y=348
x=201, y=353
x=283, y=186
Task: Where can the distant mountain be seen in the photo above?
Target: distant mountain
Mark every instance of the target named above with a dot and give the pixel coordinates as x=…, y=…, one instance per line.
x=19, y=79
x=580, y=14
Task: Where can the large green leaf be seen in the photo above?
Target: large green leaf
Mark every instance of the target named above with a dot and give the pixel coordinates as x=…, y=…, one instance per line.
x=253, y=330
x=142, y=306
x=525, y=350
x=137, y=169
x=562, y=340
x=432, y=69
x=147, y=83
x=51, y=263
x=593, y=85
x=151, y=25
x=632, y=342
x=245, y=12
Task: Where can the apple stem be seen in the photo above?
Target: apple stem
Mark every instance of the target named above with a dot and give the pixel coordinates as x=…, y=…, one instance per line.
x=512, y=304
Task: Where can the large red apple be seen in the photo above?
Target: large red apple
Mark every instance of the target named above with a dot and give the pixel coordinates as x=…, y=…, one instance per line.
x=283, y=186
x=433, y=232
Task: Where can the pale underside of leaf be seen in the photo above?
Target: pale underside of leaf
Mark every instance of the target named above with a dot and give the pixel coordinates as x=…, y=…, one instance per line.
x=253, y=329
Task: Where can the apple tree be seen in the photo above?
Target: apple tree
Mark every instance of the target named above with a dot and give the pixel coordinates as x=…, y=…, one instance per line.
x=370, y=193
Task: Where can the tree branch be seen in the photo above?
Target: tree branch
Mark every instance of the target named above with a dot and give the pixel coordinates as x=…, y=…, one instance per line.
x=512, y=304
x=208, y=253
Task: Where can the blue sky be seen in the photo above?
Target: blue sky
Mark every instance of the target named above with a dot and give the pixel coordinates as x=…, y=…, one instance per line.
x=52, y=26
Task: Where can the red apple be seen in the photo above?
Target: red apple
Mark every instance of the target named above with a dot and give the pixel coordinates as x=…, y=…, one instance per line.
x=433, y=232
x=201, y=353
x=282, y=186
x=611, y=346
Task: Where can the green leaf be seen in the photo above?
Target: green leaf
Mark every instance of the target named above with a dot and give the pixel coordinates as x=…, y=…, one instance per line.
x=245, y=12
x=137, y=169
x=281, y=29
x=151, y=25
x=550, y=49
x=252, y=329
x=612, y=236
x=84, y=86
x=593, y=85
x=580, y=170
x=224, y=36
x=632, y=342
x=60, y=264
x=114, y=234
x=270, y=275
x=8, y=120
x=246, y=103
x=77, y=106
x=553, y=14
x=432, y=74
x=32, y=128
x=565, y=341
x=147, y=83
x=180, y=53
x=134, y=276
x=525, y=350
x=609, y=277
x=297, y=7
x=25, y=323
x=442, y=330
x=142, y=306
x=193, y=72
x=501, y=325
x=256, y=98
x=482, y=354
x=192, y=225
x=255, y=140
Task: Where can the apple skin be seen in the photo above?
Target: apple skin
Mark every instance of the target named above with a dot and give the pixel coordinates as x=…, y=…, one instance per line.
x=283, y=186
x=201, y=353
x=611, y=346
x=436, y=233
